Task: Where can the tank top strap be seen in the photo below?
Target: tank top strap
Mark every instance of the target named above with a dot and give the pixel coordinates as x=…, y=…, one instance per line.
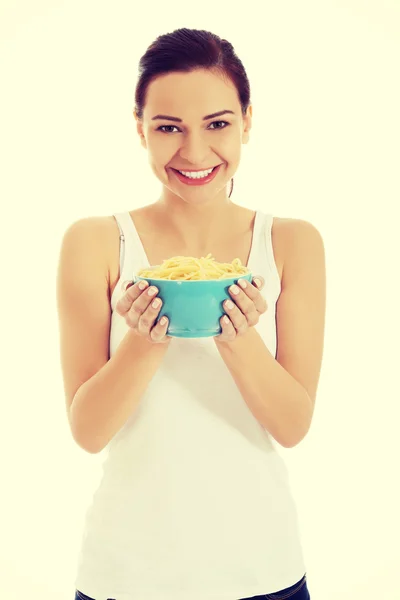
x=132, y=255
x=261, y=259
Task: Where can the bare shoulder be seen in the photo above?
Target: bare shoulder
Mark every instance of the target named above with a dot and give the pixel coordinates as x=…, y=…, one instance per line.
x=97, y=227
x=301, y=231
x=100, y=233
x=90, y=232
x=295, y=226
x=296, y=240
x=292, y=228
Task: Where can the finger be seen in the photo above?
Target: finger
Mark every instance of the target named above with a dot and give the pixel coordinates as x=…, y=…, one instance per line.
x=228, y=332
x=255, y=296
x=238, y=319
x=147, y=319
x=133, y=291
x=259, y=282
x=158, y=333
x=139, y=306
x=244, y=302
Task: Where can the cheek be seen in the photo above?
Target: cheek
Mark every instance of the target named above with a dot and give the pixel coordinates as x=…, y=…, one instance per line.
x=230, y=148
x=159, y=160
x=161, y=153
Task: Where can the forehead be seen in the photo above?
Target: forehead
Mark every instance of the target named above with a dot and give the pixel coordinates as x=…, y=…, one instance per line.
x=185, y=94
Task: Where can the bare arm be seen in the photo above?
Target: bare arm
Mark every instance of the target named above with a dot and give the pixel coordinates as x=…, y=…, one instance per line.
x=101, y=392
x=103, y=404
x=281, y=392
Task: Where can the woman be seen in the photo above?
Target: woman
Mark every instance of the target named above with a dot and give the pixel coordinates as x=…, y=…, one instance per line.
x=195, y=501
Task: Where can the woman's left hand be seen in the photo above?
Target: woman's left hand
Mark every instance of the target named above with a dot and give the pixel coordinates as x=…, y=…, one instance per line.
x=245, y=310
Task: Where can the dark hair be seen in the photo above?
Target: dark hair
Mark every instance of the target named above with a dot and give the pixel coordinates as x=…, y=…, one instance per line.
x=186, y=50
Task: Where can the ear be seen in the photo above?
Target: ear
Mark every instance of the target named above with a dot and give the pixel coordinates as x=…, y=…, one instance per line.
x=139, y=129
x=247, y=120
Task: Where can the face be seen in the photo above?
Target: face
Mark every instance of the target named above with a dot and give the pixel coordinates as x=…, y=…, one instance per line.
x=192, y=142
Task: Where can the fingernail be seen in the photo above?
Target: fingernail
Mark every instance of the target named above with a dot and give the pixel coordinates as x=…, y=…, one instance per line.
x=235, y=289
x=143, y=285
x=242, y=283
x=257, y=282
x=229, y=304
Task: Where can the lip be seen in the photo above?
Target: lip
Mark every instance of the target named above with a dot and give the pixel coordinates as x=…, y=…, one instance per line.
x=197, y=182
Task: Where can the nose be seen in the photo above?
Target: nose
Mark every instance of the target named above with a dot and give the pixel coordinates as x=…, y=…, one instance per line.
x=195, y=149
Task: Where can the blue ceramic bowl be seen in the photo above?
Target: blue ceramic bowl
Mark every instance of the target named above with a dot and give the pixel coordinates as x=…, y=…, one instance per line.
x=193, y=308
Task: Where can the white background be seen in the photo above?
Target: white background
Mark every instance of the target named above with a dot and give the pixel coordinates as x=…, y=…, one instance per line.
x=324, y=147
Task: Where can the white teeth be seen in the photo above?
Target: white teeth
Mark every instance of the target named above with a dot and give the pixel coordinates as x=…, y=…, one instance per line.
x=197, y=175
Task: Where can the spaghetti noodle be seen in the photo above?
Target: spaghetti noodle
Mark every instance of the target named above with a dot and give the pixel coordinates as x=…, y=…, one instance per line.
x=188, y=268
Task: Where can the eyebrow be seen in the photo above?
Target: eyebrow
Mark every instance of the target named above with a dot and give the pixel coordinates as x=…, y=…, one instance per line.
x=217, y=114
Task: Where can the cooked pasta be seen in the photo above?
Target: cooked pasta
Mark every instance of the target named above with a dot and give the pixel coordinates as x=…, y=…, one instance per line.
x=188, y=268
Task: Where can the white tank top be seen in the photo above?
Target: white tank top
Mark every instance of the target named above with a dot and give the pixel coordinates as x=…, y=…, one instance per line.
x=194, y=501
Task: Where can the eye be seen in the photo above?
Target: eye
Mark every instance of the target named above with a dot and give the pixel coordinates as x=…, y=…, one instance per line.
x=162, y=127
x=226, y=123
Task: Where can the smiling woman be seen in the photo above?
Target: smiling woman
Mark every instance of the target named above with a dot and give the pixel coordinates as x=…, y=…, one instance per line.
x=194, y=501
x=201, y=60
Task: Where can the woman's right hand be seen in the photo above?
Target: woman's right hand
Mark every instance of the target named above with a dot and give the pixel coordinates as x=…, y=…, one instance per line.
x=136, y=306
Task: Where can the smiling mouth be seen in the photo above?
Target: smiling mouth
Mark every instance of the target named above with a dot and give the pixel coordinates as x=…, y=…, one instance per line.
x=197, y=179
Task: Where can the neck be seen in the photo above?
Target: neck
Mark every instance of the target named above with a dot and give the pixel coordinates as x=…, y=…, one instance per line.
x=198, y=226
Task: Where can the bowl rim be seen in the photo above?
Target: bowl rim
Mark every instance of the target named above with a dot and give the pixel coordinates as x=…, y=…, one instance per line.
x=235, y=277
